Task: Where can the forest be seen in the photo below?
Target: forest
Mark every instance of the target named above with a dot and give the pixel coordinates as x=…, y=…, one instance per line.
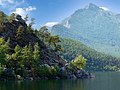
x=31, y=54
x=96, y=61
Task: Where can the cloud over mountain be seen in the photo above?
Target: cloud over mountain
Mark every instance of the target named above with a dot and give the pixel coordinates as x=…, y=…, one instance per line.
x=24, y=11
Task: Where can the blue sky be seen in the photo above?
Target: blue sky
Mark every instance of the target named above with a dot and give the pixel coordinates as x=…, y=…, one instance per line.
x=48, y=12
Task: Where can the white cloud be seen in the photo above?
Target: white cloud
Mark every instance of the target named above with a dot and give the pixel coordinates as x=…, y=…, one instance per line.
x=11, y=4
x=20, y=11
x=30, y=8
x=104, y=8
x=24, y=11
x=50, y=24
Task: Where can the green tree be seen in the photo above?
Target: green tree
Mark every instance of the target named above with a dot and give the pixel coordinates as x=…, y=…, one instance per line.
x=0, y=69
x=79, y=62
x=31, y=58
x=4, y=47
x=27, y=55
x=53, y=40
x=29, y=27
x=17, y=56
x=2, y=18
x=16, y=59
x=11, y=18
x=19, y=34
x=36, y=52
x=58, y=48
x=43, y=34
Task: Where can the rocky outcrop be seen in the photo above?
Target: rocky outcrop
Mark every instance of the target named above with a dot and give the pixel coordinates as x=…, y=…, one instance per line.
x=49, y=59
x=46, y=55
x=66, y=72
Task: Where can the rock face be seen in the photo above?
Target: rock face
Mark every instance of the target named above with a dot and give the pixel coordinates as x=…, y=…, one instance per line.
x=66, y=72
x=93, y=26
x=46, y=55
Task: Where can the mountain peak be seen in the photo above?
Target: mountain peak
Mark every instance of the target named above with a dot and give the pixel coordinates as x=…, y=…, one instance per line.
x=92, y=6
x=95, y=26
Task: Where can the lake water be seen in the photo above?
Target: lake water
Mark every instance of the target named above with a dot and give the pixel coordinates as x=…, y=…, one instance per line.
x=102, y=81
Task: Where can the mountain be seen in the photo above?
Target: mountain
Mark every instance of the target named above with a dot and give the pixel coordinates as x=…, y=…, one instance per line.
x=93, y=26
x=96, y=61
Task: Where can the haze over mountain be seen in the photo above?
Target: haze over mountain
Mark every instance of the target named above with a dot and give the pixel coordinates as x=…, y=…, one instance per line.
x=93, y=26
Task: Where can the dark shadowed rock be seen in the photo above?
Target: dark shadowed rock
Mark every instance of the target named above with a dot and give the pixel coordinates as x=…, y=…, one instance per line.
x=47, y=56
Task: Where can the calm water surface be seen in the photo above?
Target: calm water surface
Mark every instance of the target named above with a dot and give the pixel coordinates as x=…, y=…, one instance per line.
x=102, y=81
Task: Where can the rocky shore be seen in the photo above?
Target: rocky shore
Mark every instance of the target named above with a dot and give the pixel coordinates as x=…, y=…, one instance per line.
x=62, y=73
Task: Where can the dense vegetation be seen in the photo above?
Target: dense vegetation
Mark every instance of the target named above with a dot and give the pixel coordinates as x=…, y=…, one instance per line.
x=25, y=56
x=96, y=61
x=20, y=60
x=48, y=39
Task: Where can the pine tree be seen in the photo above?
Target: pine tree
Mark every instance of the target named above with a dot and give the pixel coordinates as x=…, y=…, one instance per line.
x=19, y=34
x=54, y=40
x=58, y=48
x=2, y=17
x=36, y=52
x=11, y=18
x=43, y=33
x=17, y=56
x=4, y=47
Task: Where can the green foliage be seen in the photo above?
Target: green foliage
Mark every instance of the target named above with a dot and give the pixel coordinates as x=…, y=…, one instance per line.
x=59, y=48
x=22, y=58
x=53, y=71
x=48, y=39
x=96, y=61
x=36, y=52
x=54, y=40
x=17, y=55
x=0, y=68
x=43, y=71
x=4, y=46
x=2, y=20
x=11, y=18
x=19, y=34
x=79, y=62
x=28, y=56
x=47, y=71
x=43, y=33
x=29, y=27
x=15, y=60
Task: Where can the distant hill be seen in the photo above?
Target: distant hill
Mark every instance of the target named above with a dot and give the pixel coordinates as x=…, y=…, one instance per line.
x=96, y=61
x=93, y=26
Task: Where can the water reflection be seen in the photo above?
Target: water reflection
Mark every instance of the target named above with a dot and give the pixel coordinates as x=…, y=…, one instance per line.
x=43, y=85
x=102, y=81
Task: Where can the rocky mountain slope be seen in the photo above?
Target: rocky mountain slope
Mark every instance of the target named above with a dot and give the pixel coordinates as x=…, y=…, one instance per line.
x=10, y=31
x=93, y=26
